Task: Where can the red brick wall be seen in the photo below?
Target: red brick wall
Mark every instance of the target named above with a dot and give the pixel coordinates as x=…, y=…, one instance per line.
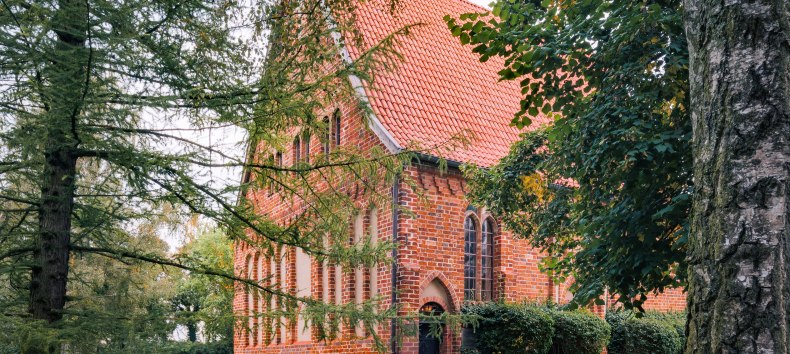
x=670, y=300
x=353, y=133
x=430, y=246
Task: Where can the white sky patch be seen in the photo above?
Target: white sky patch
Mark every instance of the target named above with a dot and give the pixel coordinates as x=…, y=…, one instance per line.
x=483, y=3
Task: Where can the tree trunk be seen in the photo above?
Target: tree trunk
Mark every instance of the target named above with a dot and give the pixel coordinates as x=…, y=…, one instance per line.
x=192, y=331
x=739, y=252
x=65, y=80
x=192, y=324
x=48, y=282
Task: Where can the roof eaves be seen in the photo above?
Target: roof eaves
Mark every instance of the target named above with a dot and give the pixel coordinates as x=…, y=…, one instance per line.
x=435, y=160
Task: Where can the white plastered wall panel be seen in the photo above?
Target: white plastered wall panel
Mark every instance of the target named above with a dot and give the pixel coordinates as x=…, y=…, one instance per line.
x=303, y=289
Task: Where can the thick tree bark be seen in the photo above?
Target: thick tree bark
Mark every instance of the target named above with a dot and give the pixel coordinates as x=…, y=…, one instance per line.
x=48, y=282
x=65, y=82
x=739, y=255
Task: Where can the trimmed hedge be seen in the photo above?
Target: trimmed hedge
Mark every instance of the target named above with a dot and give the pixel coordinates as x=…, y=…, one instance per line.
x=510, y=328
x=652, y=334
x=579, y=332
x=675, y=319
x=220, y=347
x=524, y=328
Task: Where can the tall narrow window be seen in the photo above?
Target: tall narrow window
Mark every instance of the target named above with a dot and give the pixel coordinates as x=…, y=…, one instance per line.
x=328, y=137
x=470, y=258
x=278, y=159
x=297, y=150
x=306, y=147
x=336, y=129
x=487, y=261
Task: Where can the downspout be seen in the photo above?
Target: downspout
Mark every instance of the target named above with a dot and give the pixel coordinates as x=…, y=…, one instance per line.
x=394, y=288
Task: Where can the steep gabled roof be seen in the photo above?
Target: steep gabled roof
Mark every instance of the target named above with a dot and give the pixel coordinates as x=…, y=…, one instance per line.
x=441, y=89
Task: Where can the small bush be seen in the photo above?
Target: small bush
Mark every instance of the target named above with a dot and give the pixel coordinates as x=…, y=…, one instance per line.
x=579, y=332
x=509, y=328
x=632, y=335
x=616, y=321
x=675, y=319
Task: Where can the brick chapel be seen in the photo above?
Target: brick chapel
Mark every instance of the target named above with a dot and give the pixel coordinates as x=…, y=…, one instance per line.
x=448, y=251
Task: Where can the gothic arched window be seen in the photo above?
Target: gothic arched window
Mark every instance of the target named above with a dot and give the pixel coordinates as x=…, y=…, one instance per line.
x=306, y=147
x=336, y=128
x=470, y=258
x=327, y=141
x=487, y=260
x=297, y=150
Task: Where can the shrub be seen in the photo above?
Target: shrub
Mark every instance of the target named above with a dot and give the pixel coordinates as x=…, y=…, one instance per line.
x=632, y=335
x=509, y=328
x=219, y=347
x=579, y=332
x=616, y=320
x=676, y=319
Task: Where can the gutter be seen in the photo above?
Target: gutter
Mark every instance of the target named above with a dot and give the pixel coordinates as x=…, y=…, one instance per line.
x=433, y=160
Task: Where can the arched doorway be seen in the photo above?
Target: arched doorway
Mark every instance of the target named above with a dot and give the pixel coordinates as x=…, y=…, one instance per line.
x=429, y=324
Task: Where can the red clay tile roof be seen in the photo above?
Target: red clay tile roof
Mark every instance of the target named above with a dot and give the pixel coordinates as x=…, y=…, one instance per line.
x=441, y=89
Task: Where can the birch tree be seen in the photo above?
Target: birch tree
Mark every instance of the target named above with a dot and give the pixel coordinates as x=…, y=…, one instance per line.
x=739, y=259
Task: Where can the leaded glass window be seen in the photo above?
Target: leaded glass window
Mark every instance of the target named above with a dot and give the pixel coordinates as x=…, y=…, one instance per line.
x=297, y=150
x=470, y=258
x=487, y=261
x=306, y=147
x=328, y=136
x=336, y=129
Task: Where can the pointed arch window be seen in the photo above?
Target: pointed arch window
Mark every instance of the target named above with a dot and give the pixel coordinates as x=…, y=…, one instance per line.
x=335, y=135
x=487, y=260
x=297, y=150
x=306, y=147
x=470, y=258
x=328, y=137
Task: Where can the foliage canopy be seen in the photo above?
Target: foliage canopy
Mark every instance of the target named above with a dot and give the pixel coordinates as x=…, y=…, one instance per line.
x=113, y=113
x=605, y=190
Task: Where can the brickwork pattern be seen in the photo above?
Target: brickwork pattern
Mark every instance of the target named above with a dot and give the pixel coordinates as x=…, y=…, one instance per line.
x=430, y=238
x=430, y=246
